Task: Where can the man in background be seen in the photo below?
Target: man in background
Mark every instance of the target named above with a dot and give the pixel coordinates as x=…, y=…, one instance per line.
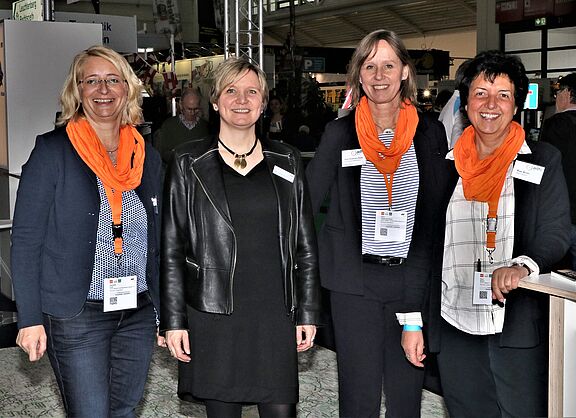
x=186, y=126
x=560, y=131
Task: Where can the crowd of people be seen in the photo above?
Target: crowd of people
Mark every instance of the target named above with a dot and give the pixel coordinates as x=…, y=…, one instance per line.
x=209, y=247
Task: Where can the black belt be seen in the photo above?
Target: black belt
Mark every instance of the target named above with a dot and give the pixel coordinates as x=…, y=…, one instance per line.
x=384, y=260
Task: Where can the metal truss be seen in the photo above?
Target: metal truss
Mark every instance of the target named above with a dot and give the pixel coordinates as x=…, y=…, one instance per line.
x=243, y=35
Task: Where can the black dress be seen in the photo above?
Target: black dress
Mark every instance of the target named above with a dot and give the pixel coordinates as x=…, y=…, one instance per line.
x=249, y=356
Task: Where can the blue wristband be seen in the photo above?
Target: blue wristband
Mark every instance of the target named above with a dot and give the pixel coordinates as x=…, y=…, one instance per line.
x=412, y=328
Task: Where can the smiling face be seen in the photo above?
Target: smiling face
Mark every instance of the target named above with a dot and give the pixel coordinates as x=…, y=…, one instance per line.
x=241, y=102
x=491, y=106
x=382, y=73
x=102, y=102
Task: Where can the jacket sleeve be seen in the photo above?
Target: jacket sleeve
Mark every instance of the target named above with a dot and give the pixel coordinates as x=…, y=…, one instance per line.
x=322, y=170
x=428, y=211
x=35, y=200
x=552, y=228
x=173, y=250
x=307, y=272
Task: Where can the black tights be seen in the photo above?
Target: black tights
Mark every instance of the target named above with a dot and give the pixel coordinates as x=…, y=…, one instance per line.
x=219, y=409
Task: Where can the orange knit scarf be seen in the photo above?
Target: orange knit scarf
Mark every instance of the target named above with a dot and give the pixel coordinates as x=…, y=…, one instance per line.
x=127, y=173
x=386, y=159
x=482, y=180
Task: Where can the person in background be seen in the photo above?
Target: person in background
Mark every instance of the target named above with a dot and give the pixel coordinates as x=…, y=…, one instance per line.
x=560, y=131
x=240, y=286
x=188, y=125
x=507, y=218
x=451, y=116
x=85, y=237
x=275, y=122
x=381, y=165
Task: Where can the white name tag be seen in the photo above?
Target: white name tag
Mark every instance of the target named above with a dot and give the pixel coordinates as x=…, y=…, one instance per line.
x=286, y=175
x=391, y=225
x=528, y=172
x=120, y=293
x=482, y=290
x=353, y=157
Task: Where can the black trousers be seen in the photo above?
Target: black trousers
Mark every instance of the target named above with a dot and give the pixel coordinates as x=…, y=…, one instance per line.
x=481, y=379
x=370, y=357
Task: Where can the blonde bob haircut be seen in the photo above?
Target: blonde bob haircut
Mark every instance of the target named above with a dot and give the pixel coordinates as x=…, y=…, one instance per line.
x=70, y=94
x=231, y=71
x=365, y=49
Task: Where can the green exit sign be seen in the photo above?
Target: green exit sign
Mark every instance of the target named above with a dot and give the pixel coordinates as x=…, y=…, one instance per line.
x=541, y=21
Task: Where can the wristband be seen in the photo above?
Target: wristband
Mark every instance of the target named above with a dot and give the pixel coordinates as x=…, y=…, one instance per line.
x=412, y=328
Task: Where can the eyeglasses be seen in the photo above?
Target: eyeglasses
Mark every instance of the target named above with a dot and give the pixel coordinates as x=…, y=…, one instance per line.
x=191, y=110
x=95, y=82
x=557, y=92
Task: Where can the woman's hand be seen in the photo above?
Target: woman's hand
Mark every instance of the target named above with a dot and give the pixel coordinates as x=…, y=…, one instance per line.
x=413, y=346
x=505, y=279
x=160, y=340
x=33, y=341
x=178, y=344
x=305, y=337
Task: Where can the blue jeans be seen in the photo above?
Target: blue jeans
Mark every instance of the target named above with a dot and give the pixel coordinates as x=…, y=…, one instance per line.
x=101, y=359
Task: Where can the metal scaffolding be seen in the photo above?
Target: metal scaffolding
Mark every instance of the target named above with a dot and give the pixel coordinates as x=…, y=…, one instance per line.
x=243, y=36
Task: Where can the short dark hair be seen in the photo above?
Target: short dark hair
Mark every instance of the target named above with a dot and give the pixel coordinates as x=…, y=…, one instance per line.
x=492, y=64
x=569, y=82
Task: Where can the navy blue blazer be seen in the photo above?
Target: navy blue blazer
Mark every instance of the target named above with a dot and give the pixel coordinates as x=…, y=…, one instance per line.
x=340, y=240
x=541, y=232
x=54, y=229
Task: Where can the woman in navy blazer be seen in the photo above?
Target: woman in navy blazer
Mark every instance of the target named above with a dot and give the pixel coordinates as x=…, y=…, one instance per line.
x=85, y=242
x=371, y=278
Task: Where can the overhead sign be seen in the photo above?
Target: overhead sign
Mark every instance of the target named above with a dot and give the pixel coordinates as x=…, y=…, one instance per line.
x=313, y=64
x=27, y=10
x=118, y=32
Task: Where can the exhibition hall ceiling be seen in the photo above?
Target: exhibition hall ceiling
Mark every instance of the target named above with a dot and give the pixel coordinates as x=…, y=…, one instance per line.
x=326, y=22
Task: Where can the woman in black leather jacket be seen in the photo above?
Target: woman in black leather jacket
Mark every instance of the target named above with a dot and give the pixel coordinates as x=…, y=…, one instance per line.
x=239, y=265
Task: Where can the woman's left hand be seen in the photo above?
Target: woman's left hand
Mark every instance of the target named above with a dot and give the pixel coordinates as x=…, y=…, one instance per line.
x=505, y=279
x=305, y=337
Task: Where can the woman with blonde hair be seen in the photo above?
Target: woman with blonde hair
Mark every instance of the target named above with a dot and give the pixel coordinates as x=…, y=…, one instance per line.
x=240, y=288
x=85, y=258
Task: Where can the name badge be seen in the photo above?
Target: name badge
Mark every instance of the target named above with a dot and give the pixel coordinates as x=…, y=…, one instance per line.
x=286, y=175
x=528, y=172
x=482, y=289
x=120, y=293
x=353, y=157
x=391, y=225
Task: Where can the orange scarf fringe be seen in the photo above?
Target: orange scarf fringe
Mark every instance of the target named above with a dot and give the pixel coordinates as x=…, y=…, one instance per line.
x=126, y=175
x=386, y=159
x=482, y=180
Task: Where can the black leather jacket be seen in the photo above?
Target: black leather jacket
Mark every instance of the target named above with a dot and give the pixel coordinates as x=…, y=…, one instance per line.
x=199, y=242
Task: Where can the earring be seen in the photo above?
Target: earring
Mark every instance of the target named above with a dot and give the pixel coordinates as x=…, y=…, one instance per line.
x=216, y=108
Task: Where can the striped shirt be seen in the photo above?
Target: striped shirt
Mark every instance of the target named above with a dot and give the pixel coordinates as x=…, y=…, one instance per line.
x=464, y=243
x=374, y=197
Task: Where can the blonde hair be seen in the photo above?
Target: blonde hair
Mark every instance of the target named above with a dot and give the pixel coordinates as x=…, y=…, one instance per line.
x=231, y=70
x=408, y=87
x=70, y=94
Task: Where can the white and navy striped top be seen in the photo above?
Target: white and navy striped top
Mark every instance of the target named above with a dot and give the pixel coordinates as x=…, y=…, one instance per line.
x=374, y=197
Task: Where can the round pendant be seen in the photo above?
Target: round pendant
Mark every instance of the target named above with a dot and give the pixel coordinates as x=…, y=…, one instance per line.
x=242, y=163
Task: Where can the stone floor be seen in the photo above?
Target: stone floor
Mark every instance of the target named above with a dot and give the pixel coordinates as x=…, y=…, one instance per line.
x=29, y=390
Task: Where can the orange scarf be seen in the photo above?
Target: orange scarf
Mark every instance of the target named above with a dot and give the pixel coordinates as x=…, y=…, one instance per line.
x=127, y=173
x=482, y=180
x=386, y=159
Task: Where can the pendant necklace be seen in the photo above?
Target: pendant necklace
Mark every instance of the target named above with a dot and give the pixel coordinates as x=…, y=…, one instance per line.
x=239, y=159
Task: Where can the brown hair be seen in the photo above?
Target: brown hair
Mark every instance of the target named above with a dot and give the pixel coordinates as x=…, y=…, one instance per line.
x=365, y=49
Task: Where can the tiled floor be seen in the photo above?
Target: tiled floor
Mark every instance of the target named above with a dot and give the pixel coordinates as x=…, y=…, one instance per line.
x=29, y=390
